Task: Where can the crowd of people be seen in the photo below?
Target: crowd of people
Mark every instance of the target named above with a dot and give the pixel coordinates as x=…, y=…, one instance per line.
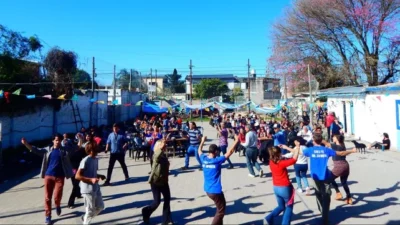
x=274, y=143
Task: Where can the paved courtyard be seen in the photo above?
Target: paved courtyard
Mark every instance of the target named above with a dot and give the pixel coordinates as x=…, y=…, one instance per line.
x=374, y=182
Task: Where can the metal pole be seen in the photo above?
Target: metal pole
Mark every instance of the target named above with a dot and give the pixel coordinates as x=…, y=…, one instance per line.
x=191, y=84
x=130, y=81
x=310, y=89
x=151, y=81
x=156, y=83
x=115, y=85
x=248, y=80
x=91, y=103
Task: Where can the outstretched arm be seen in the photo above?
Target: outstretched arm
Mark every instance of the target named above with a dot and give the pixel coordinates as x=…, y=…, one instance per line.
x=200, y=149
x=344, y=153
x=232, y=149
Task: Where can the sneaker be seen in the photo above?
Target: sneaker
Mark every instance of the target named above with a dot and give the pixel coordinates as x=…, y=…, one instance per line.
x=308, y=191
x=48, y=220
x=339, y=196
x=107, y=183
x=184, y=168
x=300, y=190
x=261, y=173
x=251, y=175
x=58, y=210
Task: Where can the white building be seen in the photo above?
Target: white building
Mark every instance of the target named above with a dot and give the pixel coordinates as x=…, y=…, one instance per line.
x=367, y=112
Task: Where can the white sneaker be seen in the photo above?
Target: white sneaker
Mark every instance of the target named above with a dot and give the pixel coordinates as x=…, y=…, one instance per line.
x=300, y=190
x=308, y=191
x=250, y=175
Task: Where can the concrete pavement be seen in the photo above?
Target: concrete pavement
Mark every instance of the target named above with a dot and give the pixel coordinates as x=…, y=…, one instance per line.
x=374, y=182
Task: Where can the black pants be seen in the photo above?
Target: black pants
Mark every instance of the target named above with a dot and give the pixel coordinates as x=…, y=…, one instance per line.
x=75, y=192
x=121, y=159
x=343, y=180
x=329, y=133
x=220, y=203
x=157, y=191
x=323, y=196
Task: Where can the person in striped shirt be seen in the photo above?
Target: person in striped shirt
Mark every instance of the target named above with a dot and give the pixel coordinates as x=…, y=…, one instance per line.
x=194, y=142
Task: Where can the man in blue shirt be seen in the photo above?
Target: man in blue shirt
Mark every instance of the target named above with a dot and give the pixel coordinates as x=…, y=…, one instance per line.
x=194, y=141
x=322, y=176
x=279, y=137
x=118, y=144
x=212, y=164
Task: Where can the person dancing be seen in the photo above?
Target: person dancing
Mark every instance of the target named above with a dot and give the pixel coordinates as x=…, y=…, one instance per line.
x=341, y=168
x=158, y=181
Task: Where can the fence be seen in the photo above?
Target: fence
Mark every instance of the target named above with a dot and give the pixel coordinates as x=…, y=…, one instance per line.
x=45, y=120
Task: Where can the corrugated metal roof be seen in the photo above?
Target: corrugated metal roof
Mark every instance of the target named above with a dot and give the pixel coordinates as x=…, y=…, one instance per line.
x=348, y=90
x=385, y=87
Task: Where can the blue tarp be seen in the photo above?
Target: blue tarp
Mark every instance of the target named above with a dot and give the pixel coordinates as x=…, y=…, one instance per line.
x=150, y=108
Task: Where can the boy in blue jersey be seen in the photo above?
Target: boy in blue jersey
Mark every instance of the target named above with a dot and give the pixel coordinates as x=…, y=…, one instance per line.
x=322, y=176
x=212, y=164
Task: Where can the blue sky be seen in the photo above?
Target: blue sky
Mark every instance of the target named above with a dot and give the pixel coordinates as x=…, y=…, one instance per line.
x=218, y=35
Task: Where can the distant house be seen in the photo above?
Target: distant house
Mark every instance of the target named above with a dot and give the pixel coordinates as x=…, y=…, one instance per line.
x=160, y=82
x=367, y=112
x=230, y=80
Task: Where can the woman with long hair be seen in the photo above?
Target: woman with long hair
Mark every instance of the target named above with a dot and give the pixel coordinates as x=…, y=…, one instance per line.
x=283, y=189
x=341, y=168
x=301, y=166
x=158, y=181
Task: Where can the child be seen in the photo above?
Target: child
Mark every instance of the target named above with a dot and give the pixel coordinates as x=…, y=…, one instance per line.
x=90, y=188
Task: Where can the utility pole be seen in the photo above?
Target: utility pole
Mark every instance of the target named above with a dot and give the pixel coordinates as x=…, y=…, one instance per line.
x=248, y=80
x=91, y=103
x=130, y=81
x=115, y=85
x=191, y=84
x=156, y=83
x=151, y=80
x=309, y=86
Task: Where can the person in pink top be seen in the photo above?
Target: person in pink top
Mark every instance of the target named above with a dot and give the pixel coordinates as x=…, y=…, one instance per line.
x=328, y=122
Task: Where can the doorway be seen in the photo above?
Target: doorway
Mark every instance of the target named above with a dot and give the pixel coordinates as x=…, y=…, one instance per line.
x=352, y=118
x=344, y=116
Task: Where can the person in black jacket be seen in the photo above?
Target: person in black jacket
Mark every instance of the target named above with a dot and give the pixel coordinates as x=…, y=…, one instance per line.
x=75, y=159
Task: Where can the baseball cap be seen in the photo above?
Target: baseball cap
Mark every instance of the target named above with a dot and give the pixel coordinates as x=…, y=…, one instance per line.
x=277, y=126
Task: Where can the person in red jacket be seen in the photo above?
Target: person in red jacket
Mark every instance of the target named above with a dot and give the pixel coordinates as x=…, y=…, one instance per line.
x=283, y=189
x=328, y=122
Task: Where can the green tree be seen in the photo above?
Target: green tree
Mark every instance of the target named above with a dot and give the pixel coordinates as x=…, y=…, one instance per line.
x=61, y=66
x=236, y=92
x=83, y=80
x=209, y=88
x=123, y=79
x=175, y=83
x=16, y=55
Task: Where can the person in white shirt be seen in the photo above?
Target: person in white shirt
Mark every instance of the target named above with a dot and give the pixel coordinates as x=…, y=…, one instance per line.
x=306, y=134
x=301, y=166
x=252, y=151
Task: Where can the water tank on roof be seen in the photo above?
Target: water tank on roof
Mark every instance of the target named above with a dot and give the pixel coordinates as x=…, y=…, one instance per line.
x=253, y=73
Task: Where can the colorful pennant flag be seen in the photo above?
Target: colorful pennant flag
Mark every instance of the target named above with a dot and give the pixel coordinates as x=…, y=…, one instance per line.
x=75, y=97
x=379, y=98
x=207, y=109
x=31, y=96
x=62, y=97
x=1, y=93
x=387, y=94
x=92, y=100
x=115, y=102
x=47, y=96
x=7, y=96
x=17, y=92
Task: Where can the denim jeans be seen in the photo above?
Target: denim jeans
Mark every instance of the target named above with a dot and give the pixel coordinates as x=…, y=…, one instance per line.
x=301, y=174
x=193, y=149
x=223, y=151
x=251, y=160
x=323, y=194
x=282, y=195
